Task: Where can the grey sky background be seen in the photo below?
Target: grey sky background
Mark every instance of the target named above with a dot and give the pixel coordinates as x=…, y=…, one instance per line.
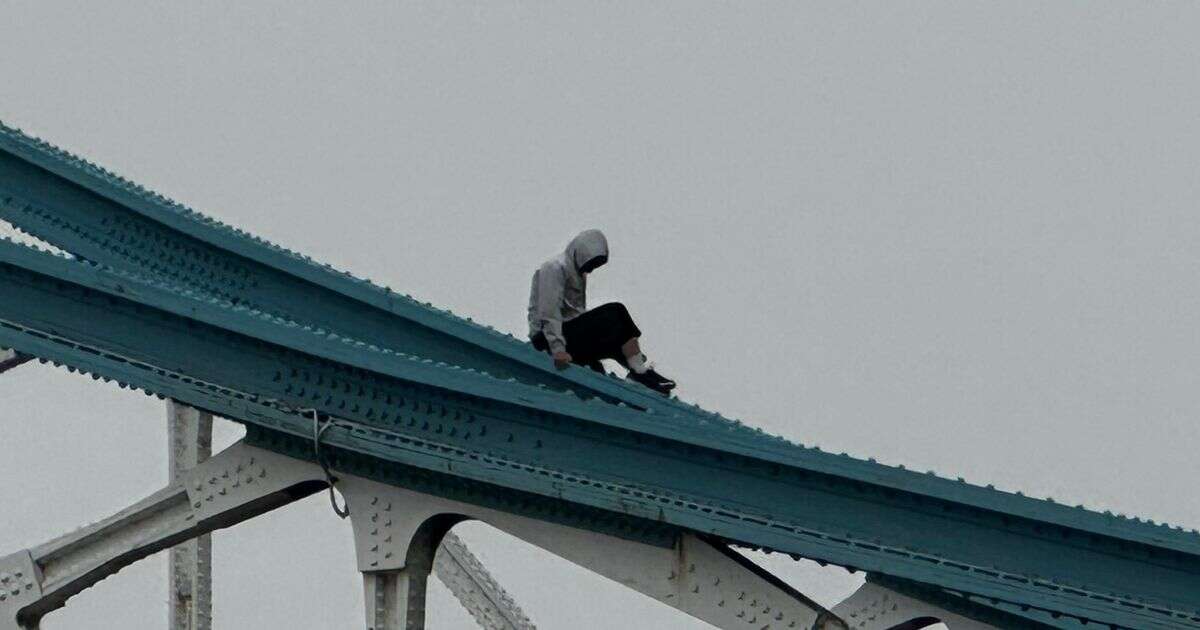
x=958, y=236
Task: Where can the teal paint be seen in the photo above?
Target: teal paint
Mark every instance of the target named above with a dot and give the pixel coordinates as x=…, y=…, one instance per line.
x=179, y=280
x=533, y=441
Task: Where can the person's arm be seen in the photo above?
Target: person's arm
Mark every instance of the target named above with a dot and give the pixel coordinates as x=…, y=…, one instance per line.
x=549, y=310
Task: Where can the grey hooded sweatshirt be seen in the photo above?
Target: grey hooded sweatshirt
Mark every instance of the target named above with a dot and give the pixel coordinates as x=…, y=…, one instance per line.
x=559, y=291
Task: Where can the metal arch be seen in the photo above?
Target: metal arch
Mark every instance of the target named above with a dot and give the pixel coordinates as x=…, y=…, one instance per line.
x=874, y=607
x=237, y=484
x=693, y=575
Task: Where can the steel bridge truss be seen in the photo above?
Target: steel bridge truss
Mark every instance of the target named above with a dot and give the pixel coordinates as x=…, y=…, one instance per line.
x=401, y=538
x=452, y=420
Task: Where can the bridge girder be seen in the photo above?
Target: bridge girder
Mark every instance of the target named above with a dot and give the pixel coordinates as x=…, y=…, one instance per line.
x=401, y=537
x=497, y=442
x=990, y=546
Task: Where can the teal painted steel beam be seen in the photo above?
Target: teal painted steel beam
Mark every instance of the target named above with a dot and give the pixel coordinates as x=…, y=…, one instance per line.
x=99, y=216
x=458, y=426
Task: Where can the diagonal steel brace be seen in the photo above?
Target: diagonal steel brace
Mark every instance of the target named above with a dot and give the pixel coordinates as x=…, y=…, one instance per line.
x=235, y=485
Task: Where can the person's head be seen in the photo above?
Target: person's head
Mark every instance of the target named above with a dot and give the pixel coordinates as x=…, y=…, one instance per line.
x=588, y=251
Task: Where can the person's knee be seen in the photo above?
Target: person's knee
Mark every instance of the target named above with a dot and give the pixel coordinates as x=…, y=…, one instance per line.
x=618, y=315
x=616, y=310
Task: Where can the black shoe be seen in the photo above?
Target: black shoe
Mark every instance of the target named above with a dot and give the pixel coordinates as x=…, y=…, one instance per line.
x=653, y=380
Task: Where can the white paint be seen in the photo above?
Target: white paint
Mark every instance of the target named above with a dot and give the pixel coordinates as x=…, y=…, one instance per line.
x=189, y=572
x=873, y=607
x=694, y=577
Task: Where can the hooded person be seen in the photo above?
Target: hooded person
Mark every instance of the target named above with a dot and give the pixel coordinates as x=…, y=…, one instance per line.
x=561, y=324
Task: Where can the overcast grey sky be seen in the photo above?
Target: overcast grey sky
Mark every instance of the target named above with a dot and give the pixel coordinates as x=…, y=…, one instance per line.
x=954, y=235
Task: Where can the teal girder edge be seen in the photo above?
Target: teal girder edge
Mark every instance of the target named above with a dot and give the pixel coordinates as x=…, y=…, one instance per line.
x=175, y=216
x=401, y=460
x=258, y=326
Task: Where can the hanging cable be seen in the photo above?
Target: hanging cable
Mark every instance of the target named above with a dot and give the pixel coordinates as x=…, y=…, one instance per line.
x=318, y=430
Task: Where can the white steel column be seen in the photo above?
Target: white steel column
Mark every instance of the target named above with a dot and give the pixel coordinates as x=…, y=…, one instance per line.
x=395, y=597
x=189, y=436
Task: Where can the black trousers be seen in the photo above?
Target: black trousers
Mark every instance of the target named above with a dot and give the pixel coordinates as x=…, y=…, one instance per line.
x=596, y=334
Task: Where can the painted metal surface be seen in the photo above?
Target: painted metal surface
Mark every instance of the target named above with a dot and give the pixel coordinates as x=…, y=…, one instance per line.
x=239, y=483
x=873, y=607
x=786, y=509
x=230, y=290
x=396, y=599
x=189, y=565
x=475, y=588
x=394, y=528
x=107, y=219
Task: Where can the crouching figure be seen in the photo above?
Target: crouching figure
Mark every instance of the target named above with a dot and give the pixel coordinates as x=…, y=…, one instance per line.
x=561, y=324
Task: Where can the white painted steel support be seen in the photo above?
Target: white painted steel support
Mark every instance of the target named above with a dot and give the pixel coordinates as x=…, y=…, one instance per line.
x=237, y=484
x=10, y=359
x=394, y=528
x=873, y=607
x=396, y=532
x=396, y=598
x=475, y=588
x=189, y=573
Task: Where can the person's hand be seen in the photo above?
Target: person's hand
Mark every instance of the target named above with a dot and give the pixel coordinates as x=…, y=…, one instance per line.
x=562, y=360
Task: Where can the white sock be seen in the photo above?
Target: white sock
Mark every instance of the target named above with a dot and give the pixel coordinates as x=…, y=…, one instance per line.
x=637, y=363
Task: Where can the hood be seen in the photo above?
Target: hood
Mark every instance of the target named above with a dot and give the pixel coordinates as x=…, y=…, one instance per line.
x=589, y=244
